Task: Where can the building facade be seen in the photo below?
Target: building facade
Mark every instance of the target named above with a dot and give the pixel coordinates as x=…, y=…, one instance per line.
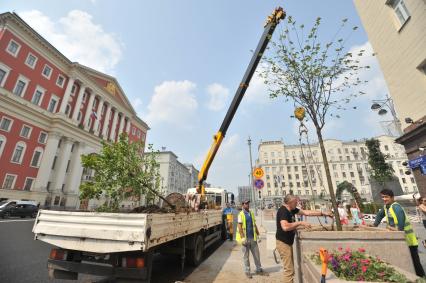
x=292, y=169
x=396, y=31
x=245, y=192
x=52, y=111
x=175, y=176
x=193, y=172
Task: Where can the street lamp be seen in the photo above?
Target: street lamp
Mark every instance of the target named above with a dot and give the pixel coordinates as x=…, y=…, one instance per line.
x=380, y=105
x=251, y=174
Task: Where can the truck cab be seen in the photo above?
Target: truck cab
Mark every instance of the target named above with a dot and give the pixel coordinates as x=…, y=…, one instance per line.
x=218, y=197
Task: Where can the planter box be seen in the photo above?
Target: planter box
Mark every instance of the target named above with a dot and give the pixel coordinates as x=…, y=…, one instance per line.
x=312, y=273
x=378, y=242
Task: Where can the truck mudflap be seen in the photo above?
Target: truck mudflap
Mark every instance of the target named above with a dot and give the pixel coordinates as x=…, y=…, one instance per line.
x=63, y=269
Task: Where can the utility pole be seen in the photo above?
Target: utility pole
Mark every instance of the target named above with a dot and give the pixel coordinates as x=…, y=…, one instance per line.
x=251, y=175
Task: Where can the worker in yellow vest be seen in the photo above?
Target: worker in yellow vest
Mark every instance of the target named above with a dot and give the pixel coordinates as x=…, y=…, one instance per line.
x=397, y=220
x=248, y=236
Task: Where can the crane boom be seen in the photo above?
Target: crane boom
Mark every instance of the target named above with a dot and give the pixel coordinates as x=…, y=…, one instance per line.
x=270, y=25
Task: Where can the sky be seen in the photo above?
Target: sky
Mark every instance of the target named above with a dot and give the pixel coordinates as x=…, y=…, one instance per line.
x=180, y=63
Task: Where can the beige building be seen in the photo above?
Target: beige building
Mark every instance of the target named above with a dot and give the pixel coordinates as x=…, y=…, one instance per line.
x=396, y=30
x=300, y=170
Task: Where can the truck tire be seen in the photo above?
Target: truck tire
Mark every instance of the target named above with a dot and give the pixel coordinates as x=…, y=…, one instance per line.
x=195, y=256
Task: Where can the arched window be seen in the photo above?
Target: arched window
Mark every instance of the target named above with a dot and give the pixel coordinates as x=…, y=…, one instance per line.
x=37, y=155
x=19, y=152
x=80, y=114
x=2, y=144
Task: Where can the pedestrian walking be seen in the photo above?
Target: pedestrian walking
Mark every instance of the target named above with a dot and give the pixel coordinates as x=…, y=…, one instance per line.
x=356, y=213
x=421, y=208
x=397, y=220
x=323, y=210
x=286, y=230
x=248, y=237
x=342, y=214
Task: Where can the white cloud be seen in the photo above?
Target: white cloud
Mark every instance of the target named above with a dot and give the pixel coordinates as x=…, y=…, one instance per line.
x=257, y=92
x=174, y=103
x=218, y=96
x=136, y=103
x=78, y=38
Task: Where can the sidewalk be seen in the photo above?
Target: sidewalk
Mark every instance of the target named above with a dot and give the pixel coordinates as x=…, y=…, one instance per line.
x=226, y=264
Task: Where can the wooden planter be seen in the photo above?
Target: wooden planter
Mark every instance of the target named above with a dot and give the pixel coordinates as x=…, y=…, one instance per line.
x=390, y=246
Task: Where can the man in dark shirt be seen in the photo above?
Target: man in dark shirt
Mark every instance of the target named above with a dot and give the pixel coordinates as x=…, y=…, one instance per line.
x=286, y=230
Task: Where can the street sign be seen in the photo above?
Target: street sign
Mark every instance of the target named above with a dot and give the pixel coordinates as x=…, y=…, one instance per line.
x=259, y=183
x=258, y=173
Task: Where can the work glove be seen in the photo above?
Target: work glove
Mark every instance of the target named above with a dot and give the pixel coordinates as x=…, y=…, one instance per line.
x=244, y=241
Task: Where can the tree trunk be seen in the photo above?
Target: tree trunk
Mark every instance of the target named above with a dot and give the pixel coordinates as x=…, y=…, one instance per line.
x=329, y=181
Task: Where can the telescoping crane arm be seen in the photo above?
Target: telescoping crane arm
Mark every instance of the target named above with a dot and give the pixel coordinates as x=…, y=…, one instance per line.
x=270, y=25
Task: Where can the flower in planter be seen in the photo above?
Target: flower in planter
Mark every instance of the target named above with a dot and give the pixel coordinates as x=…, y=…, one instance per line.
x=357, y=265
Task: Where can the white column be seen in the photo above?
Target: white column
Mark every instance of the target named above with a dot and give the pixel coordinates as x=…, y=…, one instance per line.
x=128, y=126
x=106, y=122
x=98, y=115
x=61, y=163
x=78, y=102
x=67, y=95
x=45, y=168
x=89, y=111
x=73, y=179
x=120, y=129
x=113, y=126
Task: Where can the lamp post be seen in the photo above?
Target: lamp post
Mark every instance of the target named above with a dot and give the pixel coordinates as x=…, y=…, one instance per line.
x=380, y=105
x=251, y=175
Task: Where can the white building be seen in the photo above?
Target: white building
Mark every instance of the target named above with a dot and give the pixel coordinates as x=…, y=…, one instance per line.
x=288, y=168
x=193, y=174
x=245, y=192
x=175, y=176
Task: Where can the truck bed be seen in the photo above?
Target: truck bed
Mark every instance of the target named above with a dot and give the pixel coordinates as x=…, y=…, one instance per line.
x=118, y=232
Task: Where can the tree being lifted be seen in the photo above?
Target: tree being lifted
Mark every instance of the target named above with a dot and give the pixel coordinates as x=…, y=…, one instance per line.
x=122, y=172
x=315, y=76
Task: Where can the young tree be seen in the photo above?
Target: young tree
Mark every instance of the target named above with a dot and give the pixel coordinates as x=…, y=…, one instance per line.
x=381, y=171
x=122, y=171
x=316, y=76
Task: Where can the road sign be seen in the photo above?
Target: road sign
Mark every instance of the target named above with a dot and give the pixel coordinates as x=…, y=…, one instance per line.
x=258, y=173
x=259, y=184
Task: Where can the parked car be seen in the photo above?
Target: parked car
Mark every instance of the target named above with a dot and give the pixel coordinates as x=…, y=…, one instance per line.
x=20, y=210
x=372, y=218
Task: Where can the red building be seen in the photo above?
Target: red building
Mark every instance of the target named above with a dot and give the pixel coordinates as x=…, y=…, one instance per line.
x=53, y=110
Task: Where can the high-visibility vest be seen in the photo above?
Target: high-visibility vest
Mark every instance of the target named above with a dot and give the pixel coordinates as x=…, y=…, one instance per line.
x=410, y=237
x=244, y=224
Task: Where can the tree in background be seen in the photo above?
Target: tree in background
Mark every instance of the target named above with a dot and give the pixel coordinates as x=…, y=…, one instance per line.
x=122, y=172
x=315, y=76
x=380, y=171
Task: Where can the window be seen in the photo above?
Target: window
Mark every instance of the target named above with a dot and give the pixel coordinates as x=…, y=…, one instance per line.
x=334, y=166
x=134, y=131
x=54, y=162
x=403, y=180
x=386, y=148
x=47, y=72
x=42, y=138
x=6, y=124
x=38, y=96
x=344, y=174
x=352, y=174
x=35, y=162
x=20, y=86
x=342, y=166
x=28, y=184
x=2, y=143
x=349, y=166
x=336, y=175
x=9, y=181
x=52, y=104
x=26, y=131
x=68, y=110
x=18, y=153
x=13, y=48
x=401, y=11
x=31, y=61
x=4, y=72
x=60, y=81
x=412, y=180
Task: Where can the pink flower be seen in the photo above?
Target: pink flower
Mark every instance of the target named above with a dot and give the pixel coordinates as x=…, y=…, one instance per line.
x=340, y=248
x=365, y=261
x=361, y=250
x=364, y=268
x=346, y=257
x=354, y=265
x=348, y=250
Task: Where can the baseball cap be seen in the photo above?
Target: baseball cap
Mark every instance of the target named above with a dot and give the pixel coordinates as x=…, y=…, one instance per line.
x=246, y=201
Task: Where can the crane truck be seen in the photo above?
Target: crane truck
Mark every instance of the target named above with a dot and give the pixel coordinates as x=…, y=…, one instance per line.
x=122, y=245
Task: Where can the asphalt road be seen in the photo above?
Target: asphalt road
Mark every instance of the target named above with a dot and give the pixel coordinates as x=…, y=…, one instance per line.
x=23, y=260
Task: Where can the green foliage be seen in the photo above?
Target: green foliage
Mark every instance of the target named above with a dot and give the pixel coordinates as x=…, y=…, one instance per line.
x=356, y=265
x=380, y=170
x=122, y=172
x=371, y=208
x=346, y=186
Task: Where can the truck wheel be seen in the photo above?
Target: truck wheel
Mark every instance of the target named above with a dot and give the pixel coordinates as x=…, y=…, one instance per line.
x=195, y=256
